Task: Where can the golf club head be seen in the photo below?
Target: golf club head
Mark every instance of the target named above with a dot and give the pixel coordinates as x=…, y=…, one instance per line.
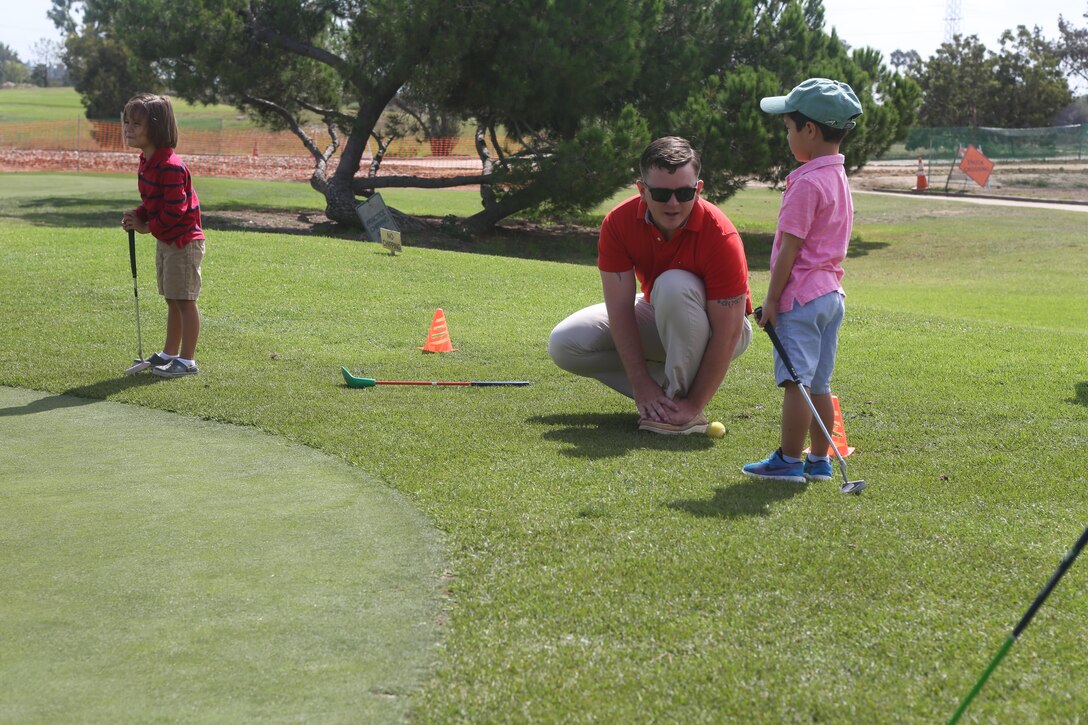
x=356, y=382
x=852, y=487
x=137, y=366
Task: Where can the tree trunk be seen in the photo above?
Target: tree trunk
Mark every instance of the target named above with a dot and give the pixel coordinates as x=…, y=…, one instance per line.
x=339, y=197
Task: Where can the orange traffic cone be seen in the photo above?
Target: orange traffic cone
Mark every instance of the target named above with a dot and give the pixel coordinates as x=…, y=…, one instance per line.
x=438, y=338
x=838, y=431
x=922, y=183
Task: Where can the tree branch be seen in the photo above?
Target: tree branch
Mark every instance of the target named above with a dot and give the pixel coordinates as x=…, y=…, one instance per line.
x=290, y=120
x=360, y=185
x=325, y=113
x=272, y=36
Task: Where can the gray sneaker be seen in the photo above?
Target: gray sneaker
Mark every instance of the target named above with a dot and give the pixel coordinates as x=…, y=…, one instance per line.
x=698, y=424
x=174, y=369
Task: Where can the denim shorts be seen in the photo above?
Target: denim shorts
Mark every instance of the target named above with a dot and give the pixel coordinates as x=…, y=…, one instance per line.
x=810, y=335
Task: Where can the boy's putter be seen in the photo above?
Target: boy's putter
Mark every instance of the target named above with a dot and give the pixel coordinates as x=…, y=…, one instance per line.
x=139, y=363
x=848, y=486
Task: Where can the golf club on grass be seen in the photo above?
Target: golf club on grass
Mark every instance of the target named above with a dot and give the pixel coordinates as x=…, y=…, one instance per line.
x=356, y=382
x=848, y=486
x=1067, y=561
x=139, y=363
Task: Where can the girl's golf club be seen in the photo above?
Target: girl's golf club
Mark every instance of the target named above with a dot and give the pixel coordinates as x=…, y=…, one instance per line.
x=139, y=363
x=848, y=486
x=357, y=382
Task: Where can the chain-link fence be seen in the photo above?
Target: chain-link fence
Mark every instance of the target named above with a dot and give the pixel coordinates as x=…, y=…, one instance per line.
x=1055, y=142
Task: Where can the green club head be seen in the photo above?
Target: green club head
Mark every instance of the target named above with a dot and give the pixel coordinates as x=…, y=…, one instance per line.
x=354, y=382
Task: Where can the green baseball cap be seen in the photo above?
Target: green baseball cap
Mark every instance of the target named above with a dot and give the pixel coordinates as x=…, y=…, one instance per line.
x=825, y=101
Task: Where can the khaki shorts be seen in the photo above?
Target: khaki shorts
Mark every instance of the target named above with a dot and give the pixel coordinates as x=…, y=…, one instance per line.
x=178, y=270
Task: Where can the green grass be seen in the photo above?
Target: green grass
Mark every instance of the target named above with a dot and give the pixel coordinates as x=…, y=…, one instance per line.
x=63, y=104
x=232, y=579
x=599, y=574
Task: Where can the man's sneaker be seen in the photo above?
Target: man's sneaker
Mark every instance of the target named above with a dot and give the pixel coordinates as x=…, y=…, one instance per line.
x=697, y=424
x=818, y=470
x=775, y=468
x=174, y=369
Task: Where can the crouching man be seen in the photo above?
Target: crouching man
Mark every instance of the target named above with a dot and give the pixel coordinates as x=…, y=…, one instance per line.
x=669, y=347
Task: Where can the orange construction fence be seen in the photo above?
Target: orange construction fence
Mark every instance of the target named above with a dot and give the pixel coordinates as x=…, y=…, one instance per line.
x=82, y=145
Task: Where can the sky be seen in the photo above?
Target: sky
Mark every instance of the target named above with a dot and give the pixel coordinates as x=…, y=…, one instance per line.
x=886, y=25
x=890, y=25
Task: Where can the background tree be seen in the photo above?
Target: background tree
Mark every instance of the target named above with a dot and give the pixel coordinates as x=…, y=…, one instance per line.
x=1030, y=88
x=1072, y=45
x=1021, y=86
x=48, y=55
x=907, y=62
x=565, y=93
x=957, y=84
x=12, y=69
x=104, y=71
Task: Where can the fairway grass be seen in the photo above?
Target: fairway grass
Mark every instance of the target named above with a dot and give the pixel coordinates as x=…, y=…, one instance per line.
x=63, y=104
x=599, y=574
x=224, y=575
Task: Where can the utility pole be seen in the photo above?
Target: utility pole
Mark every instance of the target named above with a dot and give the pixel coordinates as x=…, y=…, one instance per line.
x=952, y=20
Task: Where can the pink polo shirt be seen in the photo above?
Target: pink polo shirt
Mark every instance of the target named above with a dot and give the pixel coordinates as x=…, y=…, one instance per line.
x=817, y=208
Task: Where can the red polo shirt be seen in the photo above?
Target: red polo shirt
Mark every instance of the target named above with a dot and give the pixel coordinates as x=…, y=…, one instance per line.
x=708, y=246
x=168, y=203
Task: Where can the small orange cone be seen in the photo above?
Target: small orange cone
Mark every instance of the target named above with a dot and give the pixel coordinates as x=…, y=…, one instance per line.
x=838, y=431
x=923, y=182
x=438, y=338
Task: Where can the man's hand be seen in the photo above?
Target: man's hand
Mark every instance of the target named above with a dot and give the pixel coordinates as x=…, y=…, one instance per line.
x=653, y=404
x=684, y=411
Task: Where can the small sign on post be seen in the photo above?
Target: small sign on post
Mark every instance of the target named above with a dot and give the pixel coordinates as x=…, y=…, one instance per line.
x=976, y=165
x=375, y=216
x=391, y=240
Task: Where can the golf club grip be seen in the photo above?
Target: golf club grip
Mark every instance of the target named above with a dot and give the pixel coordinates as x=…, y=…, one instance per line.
x=769, y=329
x=132, y=251
x=493, y=383
x=475, y=384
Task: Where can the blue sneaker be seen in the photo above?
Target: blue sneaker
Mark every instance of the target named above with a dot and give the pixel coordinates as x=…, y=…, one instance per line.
x=775, y=468
x=818, y=470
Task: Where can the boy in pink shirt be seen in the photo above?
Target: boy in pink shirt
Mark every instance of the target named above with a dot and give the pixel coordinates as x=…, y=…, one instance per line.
x=805, y=298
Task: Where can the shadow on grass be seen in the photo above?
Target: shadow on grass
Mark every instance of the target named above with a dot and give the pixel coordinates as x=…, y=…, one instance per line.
x=609, y=435
x=517, y=238
x=83, y=395
x=751, y=498
x=110, y=217
x=1081, y=394
x=758, y=245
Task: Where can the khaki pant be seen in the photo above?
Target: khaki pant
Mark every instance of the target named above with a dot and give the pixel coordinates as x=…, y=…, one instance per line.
x=178, y=270
x=674, y=331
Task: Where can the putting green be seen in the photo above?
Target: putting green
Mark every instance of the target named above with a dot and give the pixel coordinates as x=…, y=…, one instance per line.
x=160, y=567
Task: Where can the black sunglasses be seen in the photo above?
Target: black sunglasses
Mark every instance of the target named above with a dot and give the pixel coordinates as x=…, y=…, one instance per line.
x=662, y=195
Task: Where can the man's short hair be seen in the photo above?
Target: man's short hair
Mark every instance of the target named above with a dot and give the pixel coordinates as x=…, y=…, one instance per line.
x=669, y=153
x=829, y=134
x=158, y=114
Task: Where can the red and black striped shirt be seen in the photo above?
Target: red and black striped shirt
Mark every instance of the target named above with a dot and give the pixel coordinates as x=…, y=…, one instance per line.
x=168, y=203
